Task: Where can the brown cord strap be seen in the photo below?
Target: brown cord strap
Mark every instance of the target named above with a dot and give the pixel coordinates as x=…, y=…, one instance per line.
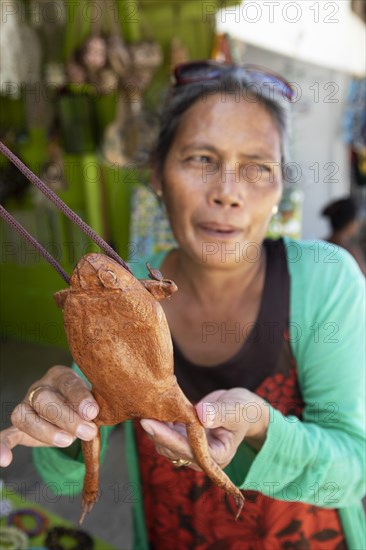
x=61, y=206
x=28, y=237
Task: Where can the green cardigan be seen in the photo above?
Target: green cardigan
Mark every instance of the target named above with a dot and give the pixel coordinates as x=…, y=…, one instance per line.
x=321, y=459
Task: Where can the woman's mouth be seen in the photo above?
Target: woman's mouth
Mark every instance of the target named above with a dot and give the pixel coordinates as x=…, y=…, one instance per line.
x=219, y=231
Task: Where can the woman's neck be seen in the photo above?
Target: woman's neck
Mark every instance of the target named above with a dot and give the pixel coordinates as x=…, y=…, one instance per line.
x=204, y=285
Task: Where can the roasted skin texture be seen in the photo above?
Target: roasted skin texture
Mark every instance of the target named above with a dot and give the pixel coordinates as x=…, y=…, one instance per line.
x=119, y=337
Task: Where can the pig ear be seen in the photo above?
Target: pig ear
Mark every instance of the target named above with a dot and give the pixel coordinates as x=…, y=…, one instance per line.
x=60, y=298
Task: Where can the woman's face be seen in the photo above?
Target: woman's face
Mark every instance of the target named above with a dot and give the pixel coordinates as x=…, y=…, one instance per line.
x=222, y=178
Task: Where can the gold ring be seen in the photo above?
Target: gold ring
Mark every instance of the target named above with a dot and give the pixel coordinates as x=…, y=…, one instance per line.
x=181, y=462
x=32, y=394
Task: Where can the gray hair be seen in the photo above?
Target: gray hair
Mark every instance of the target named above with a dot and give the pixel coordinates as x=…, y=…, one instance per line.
x=235, y=81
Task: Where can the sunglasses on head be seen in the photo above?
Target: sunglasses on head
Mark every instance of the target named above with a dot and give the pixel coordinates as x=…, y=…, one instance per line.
x=206, y=71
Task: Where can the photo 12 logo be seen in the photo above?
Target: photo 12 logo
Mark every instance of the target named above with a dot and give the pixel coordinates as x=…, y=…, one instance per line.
x=59, y=12
x=271, y=12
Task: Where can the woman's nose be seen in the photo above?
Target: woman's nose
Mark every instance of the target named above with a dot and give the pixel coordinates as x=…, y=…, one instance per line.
x=226, y=190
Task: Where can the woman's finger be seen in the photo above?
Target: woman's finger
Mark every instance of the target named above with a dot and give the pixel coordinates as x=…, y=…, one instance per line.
x=172, y=457
x=169, y=438
x=10, y=438
x=75, y=390
x=223, y=445
x=241, y=412
x=52, y=407
x=172, y=442
x=6, y=456
x=30, y=423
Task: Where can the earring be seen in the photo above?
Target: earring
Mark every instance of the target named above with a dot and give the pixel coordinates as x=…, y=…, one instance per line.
x=159, y=193
x=274, y=209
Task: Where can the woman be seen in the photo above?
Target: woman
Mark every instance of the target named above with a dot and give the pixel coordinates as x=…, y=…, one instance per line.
x=267, y=342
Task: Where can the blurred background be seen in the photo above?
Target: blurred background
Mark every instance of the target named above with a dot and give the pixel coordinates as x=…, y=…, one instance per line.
x=81, y=85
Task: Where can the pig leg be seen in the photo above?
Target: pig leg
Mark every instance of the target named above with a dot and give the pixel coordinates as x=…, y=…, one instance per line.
x=91, y=453
x=198, y=441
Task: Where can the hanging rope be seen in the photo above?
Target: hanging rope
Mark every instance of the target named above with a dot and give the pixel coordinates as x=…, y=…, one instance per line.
x=28, y=237
x=61, y=206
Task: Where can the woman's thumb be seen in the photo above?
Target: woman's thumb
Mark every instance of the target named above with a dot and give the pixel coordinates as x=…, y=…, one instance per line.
x=208, y=413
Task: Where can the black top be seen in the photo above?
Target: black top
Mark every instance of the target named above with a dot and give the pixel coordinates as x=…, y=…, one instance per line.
x=259, y=354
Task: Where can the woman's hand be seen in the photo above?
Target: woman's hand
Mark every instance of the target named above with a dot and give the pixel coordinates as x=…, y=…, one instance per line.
x=56, y=410
x=229, y=416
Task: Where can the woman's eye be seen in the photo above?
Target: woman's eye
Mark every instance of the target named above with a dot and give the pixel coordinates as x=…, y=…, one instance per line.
x=254, y=172
x=251, y=172
x=201, y=158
